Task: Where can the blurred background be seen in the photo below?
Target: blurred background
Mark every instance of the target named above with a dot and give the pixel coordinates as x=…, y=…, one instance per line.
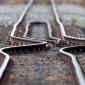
x=77, y=2
x=10, y=10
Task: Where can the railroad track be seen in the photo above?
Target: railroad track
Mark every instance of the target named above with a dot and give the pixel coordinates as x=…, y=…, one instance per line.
x=22, y=35
x=70, y=40
x=19, y=29
x=39, y=45
x=19, y=40
x=72, y=52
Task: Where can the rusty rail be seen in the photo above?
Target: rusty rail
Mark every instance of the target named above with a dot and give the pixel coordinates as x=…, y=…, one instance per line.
x=78, y=71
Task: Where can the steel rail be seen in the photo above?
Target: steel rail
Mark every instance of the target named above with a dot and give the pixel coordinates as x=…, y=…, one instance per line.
x=58, y=19
x=76, y=65
x=78, y=70
x=12, y=35
x=35, y=43
x=7, y=57
x=5, y=62
x=62, y=29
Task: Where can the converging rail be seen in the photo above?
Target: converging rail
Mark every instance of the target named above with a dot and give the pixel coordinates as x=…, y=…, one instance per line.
x=7, y=57
x=68, y=39
x=20, y=40
x=31, y=43
x=65, y=50
x=14, y=38
x=73, y=49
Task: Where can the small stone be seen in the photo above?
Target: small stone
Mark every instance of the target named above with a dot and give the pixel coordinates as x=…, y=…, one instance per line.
x=50, y=78
x=12, y=77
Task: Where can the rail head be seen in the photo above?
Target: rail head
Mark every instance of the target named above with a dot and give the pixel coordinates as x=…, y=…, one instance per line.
x=21, y=18
x=5, y=50
x=5, y=62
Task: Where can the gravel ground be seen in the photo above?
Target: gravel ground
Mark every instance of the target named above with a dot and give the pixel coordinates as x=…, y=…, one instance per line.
x=39, y=31
x=1, y=59
x=74, y=31
x=4, y=35
x=81, y=59
x=40, y=68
